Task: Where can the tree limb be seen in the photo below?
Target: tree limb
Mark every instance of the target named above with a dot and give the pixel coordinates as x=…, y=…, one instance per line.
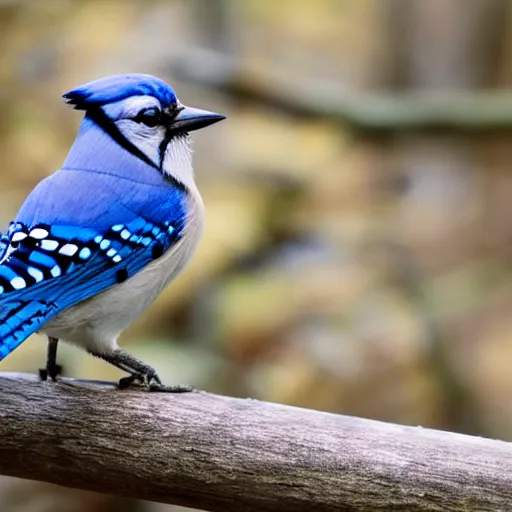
x=372, y=112
x=225, y=454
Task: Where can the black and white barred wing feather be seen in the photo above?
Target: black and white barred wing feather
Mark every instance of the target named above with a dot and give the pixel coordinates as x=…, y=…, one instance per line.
x=47, y=269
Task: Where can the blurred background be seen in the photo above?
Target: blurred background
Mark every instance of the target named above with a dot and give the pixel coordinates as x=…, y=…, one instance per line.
x=357, y=253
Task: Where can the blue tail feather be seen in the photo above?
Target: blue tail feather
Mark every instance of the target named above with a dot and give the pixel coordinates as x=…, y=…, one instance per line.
x=19, y=319
x=4, y=243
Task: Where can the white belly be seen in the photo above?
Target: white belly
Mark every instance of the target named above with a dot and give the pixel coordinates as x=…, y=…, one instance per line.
x=95, y=324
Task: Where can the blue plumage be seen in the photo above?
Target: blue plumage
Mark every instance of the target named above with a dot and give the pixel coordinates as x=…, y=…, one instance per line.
x=117, y=88
x=67, y=265
x=95, y=242
x=100, y=199
x=66, y=246
x=4, y=243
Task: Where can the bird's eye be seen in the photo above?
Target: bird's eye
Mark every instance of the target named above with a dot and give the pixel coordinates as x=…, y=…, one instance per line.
x=149, y=116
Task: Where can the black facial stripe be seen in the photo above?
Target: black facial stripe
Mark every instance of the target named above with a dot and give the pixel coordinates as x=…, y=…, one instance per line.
x=167, y=118
x=163, y=147
x=103, y=121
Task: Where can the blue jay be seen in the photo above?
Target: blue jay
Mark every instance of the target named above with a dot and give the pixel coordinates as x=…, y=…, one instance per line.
x=96, y=242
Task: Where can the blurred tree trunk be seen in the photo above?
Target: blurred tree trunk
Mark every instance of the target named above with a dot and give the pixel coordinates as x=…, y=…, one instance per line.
x=445, y=44
x=441, y=45
x=216, y=21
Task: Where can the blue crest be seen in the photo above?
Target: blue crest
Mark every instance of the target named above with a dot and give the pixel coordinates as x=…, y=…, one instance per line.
x=118, y=87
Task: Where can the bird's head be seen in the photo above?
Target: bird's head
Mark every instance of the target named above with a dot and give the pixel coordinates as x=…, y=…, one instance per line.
x=143, y=115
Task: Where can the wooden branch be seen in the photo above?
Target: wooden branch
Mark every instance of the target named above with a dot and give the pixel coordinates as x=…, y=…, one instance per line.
x=225, y=454
x=373, y=112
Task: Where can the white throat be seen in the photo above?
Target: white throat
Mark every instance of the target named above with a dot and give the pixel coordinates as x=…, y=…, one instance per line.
x=178, y=155
x=178, y=160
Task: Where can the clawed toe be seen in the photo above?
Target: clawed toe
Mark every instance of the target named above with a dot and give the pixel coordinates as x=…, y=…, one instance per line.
x=151, y=382
x=170, y=389
x=140, y=375
x=51, y=372
x=126, y=382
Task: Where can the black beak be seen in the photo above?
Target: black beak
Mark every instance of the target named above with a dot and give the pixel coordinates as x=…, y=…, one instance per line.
x=190, y=119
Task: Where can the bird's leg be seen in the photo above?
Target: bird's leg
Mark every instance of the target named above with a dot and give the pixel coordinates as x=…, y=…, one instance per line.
x=52, y=369
x=139, y=372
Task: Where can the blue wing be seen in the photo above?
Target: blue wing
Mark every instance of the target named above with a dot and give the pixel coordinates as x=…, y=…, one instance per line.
x=55, y=256
x=4, y=243
x=50, y=268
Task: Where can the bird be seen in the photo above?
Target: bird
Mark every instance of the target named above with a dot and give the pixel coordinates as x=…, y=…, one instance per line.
x=94, y=243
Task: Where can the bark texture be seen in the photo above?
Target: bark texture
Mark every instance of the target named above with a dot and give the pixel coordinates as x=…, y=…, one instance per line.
x=225, y=454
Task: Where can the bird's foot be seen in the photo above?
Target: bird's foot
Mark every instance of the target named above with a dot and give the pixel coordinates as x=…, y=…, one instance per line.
x=140, y=374
x=52, y=371
x=151, y=381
